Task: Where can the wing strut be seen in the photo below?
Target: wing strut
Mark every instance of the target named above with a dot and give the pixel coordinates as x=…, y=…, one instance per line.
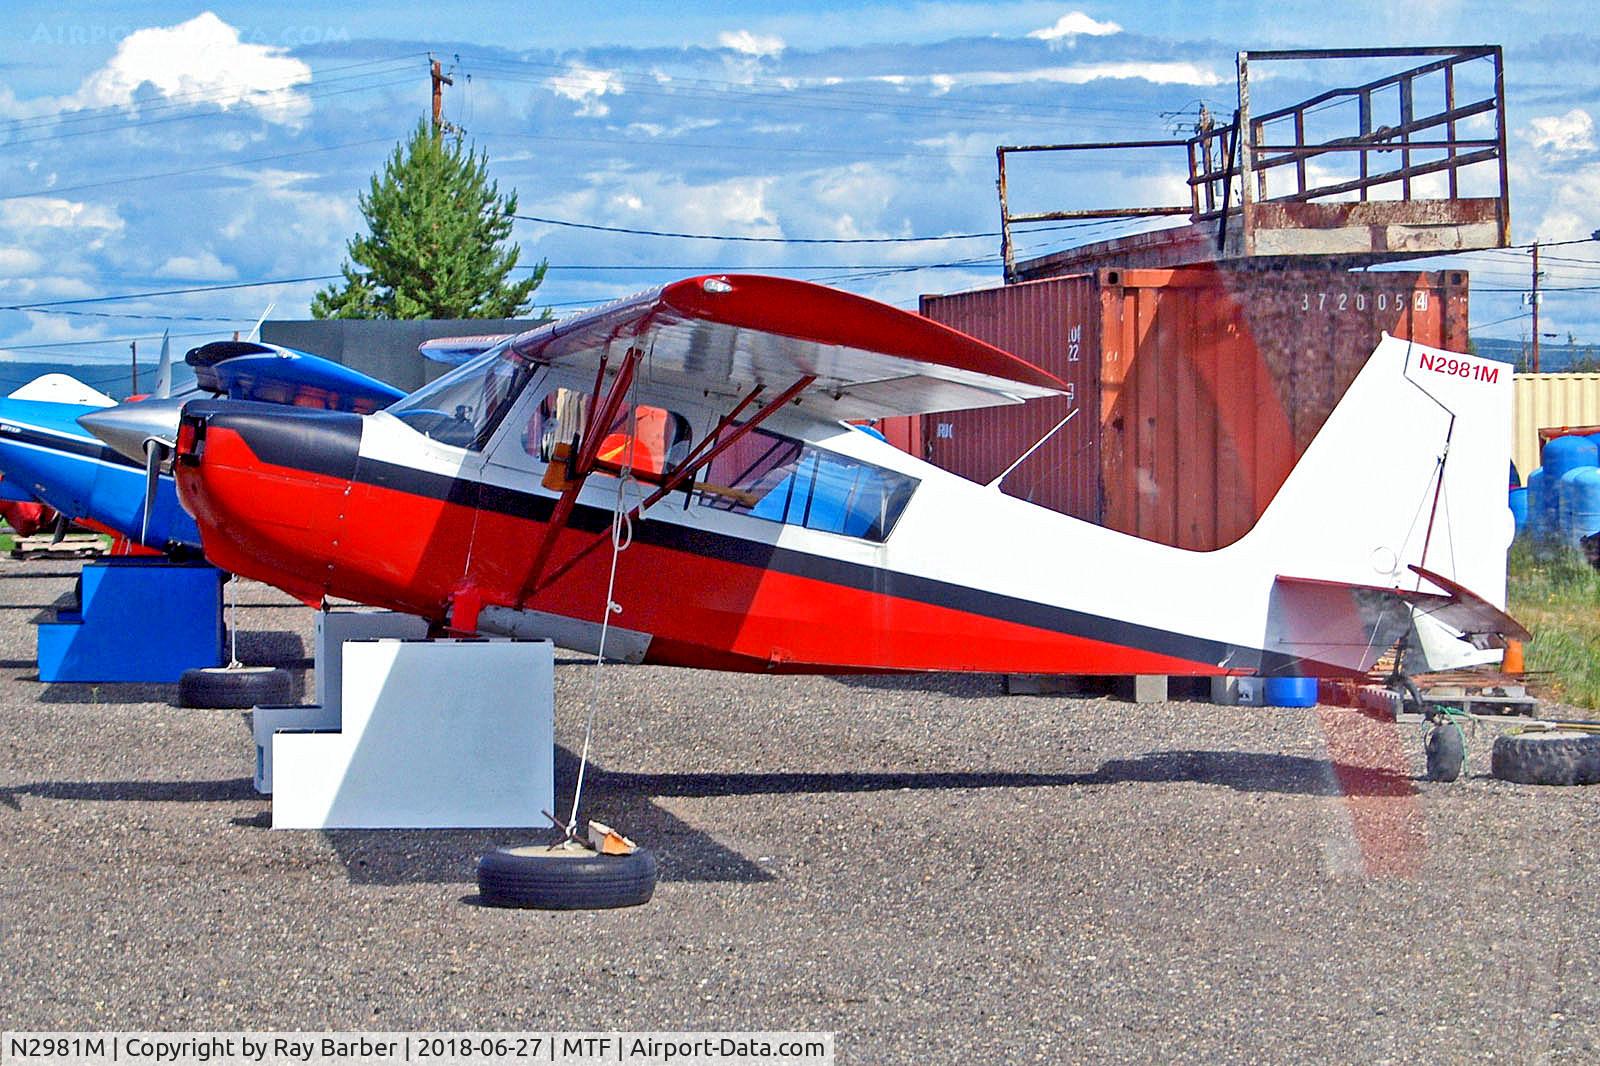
x=702, y=454
x=603, y=412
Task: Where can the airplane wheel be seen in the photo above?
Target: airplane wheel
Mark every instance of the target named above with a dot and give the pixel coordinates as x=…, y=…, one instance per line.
x=565, y=879
x=1547, y=757
x=234, y=687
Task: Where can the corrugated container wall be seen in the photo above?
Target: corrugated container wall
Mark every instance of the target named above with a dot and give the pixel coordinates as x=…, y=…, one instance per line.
x=1550, y=401
x=1198, y=387
x=1055, y=325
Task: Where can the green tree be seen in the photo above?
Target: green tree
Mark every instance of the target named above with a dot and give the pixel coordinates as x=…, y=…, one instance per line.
x=437, y=246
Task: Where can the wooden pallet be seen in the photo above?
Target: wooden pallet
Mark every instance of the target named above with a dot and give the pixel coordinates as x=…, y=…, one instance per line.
x=79, y=546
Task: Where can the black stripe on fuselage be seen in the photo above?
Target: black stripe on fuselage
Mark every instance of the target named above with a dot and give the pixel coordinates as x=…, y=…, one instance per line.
x=328, y=443
x=23, y=433
x=727, y=548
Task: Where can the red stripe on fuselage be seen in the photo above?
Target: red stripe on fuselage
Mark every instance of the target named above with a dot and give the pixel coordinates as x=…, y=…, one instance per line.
x=317, y=536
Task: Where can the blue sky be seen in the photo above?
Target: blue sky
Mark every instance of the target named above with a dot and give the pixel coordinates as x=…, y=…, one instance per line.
x=157, y=146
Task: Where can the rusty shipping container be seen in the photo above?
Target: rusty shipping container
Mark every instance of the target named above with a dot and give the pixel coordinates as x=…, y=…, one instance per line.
x=1197, y=388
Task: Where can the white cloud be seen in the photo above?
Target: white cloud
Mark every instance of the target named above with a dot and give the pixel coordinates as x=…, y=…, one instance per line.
x=202, y=267
x=50, y=212
x=759, y=45
x=1160, y=73
x=586, y=86
x=1073, y=25
x=1562, y=135
x=15, y=261
x=201, y=60
x=1574, y=206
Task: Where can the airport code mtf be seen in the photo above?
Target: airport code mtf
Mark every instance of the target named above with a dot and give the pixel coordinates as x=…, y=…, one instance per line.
x=427, y=1049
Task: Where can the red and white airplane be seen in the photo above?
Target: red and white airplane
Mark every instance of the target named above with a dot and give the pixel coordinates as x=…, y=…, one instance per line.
x=704, y=428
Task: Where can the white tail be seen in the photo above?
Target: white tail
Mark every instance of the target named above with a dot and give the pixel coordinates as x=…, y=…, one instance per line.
x=1409, y=470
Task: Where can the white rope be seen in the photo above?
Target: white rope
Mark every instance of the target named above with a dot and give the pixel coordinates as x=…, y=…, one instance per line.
x=621, y=541
x=233, y=622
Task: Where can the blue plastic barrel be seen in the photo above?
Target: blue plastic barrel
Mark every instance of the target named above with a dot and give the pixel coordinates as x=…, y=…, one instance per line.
x=1537, y=504
x=1581, y=503
x=1291, y=691
x=1562, y=456
x=1518, y=501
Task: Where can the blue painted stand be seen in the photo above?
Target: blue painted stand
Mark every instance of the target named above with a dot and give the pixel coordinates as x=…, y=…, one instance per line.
x=140, y=620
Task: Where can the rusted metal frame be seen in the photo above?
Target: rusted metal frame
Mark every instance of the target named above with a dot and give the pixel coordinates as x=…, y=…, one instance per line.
x=1300, y=159
x=1229, y=146
x=584, y=463
x=1246, y=150
x=1407, y=114
x=1008, y=254
x=1354, y=90
x=1087, y=146
x=1450, y=124
x=1504, y=206
x=1388, y=176
x=1102, y=212
x=1194, y=190
x=686, y=469
x=1470, y=51
x=1291, y=151
x=1364, y=121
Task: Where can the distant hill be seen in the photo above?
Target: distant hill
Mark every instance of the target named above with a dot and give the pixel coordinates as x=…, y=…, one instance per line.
x=1552, y=357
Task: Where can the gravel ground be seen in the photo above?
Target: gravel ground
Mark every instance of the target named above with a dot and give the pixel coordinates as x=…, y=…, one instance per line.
x=934, y=870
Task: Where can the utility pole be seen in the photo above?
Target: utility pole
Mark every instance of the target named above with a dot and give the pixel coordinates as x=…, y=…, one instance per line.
x=1534, y=297
x=133, y=346
x=440, y=80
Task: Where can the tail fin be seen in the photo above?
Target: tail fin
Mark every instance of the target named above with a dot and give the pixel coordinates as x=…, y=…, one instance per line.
x=1407, y=474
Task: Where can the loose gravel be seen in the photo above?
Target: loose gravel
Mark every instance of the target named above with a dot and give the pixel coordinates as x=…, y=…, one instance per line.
x=934, y=870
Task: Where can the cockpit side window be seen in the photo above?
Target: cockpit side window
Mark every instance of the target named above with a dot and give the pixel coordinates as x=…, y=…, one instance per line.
x=465, y=407
x=783, y=480
x=648, y=441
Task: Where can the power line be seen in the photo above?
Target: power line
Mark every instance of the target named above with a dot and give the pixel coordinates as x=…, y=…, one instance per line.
x=167, y=292
x=192, y=170
x=990, y=234
x=309, y=93
x=749, y=240
x=197, y=96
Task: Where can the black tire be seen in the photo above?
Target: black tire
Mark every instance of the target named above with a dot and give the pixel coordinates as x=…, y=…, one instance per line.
x=1547, y=757
x=557, y=879
x=1446, y=751
x=235, y=687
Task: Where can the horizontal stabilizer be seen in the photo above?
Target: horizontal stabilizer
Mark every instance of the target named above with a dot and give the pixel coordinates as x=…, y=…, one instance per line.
x=1352, y=626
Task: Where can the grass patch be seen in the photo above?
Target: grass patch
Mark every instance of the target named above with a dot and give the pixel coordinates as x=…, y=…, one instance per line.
x=1556, y=594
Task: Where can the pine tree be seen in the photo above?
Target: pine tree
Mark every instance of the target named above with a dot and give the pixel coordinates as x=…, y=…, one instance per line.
x=435, y=250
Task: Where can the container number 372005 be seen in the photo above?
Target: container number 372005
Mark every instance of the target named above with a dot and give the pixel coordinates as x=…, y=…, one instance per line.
x=1360, y=301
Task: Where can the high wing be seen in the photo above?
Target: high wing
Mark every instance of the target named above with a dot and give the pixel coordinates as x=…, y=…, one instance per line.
x=455, y=350
x=725, y=334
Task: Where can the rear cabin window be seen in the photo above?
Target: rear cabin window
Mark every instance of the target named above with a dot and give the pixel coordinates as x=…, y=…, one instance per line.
x=648, y=441
x=784, y=480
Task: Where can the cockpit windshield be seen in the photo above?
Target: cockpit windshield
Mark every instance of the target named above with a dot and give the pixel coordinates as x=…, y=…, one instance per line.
x=464, y=407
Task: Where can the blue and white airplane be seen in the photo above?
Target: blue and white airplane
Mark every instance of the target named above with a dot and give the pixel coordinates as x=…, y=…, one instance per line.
x=114, y=476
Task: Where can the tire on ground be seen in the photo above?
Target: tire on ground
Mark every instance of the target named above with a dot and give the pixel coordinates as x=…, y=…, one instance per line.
x=1547, y=757
x=1446, y=752
x=234, y=687
x=557, y=879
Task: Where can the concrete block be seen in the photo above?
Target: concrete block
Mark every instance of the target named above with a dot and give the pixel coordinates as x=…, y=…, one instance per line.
x=433, y=734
